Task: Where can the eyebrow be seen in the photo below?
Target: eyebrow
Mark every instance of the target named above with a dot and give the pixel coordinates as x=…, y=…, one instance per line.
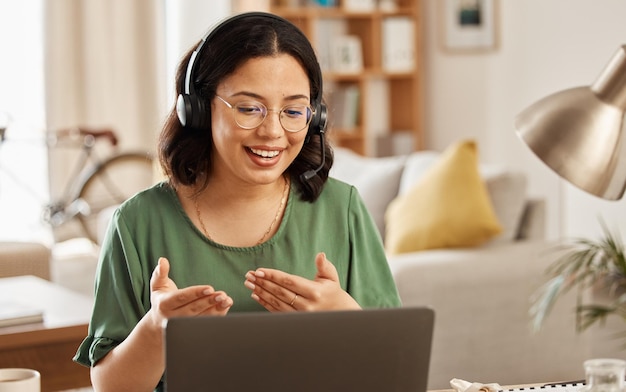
x=259, y=97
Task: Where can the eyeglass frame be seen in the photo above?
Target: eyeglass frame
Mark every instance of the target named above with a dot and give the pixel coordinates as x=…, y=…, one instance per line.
x=267, y=110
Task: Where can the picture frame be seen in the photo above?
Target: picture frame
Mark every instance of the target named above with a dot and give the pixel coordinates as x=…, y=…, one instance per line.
x=346, y=55
x=469, y=25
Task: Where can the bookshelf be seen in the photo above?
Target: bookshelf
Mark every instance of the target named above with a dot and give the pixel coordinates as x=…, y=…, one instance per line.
x=374, y=94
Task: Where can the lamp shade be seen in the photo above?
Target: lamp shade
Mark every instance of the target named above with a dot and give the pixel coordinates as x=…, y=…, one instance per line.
x=579, y=132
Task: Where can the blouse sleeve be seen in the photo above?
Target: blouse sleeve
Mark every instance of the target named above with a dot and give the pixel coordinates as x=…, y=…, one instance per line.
x=370, y=280
x=122, y=294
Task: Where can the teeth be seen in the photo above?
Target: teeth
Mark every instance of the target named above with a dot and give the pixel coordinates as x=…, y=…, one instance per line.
x=265, y=153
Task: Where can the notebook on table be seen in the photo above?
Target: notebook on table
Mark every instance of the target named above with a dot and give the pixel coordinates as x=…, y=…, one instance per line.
x=364, y=351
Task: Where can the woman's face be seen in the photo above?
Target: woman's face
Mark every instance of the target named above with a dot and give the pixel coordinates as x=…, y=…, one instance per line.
x=262, y=154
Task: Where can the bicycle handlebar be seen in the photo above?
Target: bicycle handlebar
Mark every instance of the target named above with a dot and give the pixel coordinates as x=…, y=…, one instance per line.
x=96, y=133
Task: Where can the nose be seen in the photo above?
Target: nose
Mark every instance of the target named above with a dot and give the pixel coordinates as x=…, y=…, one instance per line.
x=271, y=126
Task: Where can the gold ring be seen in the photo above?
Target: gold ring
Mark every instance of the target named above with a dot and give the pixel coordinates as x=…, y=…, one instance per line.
x=293, y=300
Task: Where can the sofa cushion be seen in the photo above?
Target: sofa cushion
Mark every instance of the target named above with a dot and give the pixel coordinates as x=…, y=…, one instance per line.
x=376, y=179
x=506, y=189
x=449, y=206
x=415, y=166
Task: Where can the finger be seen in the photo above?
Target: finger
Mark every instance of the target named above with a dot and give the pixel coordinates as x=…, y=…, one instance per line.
x=272, y=305
x=159, y=276
x=196, y=300
x=222, y=300
x=283, y=287
x=272, y=293
x=216, y=311
x=267, y=293
x=325, y=269
x=277, y=277
x=218, y=303
x=276, y=290
x=258, y=291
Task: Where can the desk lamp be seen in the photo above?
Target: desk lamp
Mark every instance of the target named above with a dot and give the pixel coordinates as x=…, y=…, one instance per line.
x=579, y=132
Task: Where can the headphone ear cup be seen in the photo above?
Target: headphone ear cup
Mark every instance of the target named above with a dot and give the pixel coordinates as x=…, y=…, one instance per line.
x=183, y=109
x=191, y=111
x=318, y=123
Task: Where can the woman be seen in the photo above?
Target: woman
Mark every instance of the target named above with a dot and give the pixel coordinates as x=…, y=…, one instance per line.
x=248, y=219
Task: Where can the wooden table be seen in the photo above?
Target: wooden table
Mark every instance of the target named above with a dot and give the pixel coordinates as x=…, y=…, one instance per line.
x=48, y=346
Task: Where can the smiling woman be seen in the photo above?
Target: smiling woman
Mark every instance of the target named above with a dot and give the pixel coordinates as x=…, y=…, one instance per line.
x=247, y=219
x=23, y=161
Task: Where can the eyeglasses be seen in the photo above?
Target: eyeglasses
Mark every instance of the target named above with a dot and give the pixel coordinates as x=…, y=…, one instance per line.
x=251, y=114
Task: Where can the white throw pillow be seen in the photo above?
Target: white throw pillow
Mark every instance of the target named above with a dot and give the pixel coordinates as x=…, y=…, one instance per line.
x=376, y=179
x=414, y=168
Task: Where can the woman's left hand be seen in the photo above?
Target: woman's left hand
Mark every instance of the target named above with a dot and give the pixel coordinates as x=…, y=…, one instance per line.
x=279, y=291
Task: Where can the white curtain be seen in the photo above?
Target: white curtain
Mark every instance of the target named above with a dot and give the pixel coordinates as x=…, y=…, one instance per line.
x=105, y=67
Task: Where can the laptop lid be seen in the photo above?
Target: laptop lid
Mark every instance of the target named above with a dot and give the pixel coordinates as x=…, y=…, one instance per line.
x=366, y=351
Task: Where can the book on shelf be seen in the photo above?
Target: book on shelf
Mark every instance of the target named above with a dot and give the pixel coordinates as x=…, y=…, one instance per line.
x=344, y=107
x=398, y=44
x=346, y=55
x=394, y=143
x=16, y=313
x=359, y=5
x=325, y=33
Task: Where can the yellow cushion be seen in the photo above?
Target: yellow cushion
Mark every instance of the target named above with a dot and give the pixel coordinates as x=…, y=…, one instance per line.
x=448, y=207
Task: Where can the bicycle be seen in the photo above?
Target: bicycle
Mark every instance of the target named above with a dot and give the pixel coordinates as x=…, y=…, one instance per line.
x=95, y=183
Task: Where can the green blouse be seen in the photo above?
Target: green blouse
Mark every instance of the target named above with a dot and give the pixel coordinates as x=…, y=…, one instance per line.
x=153, y=224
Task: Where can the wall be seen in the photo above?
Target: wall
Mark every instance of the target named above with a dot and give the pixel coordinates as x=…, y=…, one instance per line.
x=544, y=47
x=186, y=21
x=23, y=153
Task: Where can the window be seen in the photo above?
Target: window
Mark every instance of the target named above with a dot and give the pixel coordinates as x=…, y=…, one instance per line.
x=23, y=155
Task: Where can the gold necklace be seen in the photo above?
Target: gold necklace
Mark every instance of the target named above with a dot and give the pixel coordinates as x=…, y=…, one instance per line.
x=283, y=199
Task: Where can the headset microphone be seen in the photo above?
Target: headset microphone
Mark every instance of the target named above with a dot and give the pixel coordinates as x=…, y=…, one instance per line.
x=320, y=122
x=307, y=175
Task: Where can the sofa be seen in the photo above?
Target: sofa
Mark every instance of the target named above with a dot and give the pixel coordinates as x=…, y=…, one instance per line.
x=24, y=258
x=481, y=294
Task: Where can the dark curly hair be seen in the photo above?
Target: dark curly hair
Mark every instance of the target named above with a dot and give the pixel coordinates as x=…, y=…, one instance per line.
x=185, y=152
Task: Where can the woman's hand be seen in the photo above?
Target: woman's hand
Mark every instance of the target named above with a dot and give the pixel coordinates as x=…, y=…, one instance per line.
x=170, y=301
x=279, y=291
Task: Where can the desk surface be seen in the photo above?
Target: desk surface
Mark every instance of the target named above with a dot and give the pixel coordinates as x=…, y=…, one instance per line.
x=47, y=346
x=61, y=306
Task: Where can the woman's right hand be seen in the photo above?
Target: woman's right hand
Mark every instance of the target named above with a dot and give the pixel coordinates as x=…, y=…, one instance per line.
x=170, y=301
x=138, y=362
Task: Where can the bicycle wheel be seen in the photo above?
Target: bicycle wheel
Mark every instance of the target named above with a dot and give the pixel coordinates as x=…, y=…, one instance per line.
x=112, y=182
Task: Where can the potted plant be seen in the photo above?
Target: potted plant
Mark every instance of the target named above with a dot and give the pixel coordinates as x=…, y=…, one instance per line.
x=591, y=268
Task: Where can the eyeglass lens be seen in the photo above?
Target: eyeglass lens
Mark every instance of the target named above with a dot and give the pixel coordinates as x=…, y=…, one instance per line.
x=293, y=118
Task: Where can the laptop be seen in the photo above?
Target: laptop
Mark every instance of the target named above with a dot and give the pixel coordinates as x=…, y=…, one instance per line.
x=366, y=351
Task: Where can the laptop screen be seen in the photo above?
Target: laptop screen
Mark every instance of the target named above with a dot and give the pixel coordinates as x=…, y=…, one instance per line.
x=366, y=350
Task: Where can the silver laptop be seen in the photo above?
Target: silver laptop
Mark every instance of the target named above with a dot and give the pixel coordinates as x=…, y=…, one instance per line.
x=364, y=351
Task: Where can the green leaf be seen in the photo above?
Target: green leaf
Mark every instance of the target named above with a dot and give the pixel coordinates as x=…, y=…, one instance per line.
x=583, y=264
